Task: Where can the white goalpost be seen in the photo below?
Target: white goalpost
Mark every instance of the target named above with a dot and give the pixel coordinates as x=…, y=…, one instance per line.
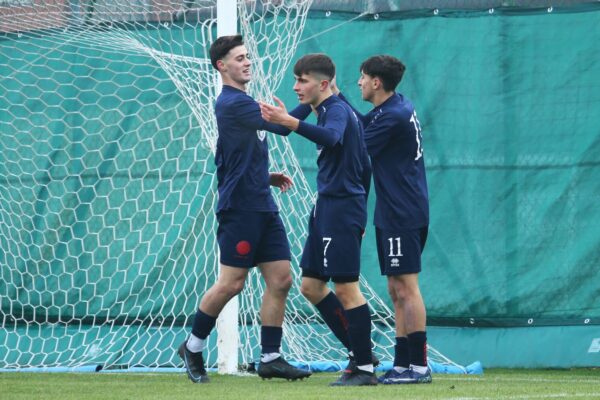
x=108, y=185
x=227, y=322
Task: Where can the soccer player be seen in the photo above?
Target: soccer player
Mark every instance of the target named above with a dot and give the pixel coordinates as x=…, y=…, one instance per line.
x=394, y=142
x=250, y=230
x=338, y=219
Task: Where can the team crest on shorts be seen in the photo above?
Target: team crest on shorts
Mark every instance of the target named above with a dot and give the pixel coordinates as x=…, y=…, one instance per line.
x=243, y=247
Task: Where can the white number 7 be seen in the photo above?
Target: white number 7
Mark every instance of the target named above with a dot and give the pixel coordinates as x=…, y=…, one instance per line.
x=326, y=240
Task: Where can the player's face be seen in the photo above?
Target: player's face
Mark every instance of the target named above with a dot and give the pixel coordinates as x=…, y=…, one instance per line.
x=365, y=82
x=236, y=65
x=308, y=88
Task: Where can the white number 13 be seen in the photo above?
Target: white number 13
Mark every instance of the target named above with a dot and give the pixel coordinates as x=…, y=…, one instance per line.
x=417, y=125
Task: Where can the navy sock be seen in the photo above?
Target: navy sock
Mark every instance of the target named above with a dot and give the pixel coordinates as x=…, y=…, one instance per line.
x=401, y=357
x=203, y=324
x=359, y=331
x=334, y=315
x=270, y=339
x=417, y=344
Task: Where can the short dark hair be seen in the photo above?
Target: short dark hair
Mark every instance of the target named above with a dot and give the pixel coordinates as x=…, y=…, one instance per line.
x=222, y=46
x=387, y=68
x=316, y=63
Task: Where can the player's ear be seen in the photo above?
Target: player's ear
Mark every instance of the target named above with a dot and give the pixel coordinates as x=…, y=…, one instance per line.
x=324, y=85
x=376, y=83
x=220, y=66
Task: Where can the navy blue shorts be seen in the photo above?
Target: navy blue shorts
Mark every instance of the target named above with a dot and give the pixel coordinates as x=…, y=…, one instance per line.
x=335, y=230
x=248, y=238
x=400, y=250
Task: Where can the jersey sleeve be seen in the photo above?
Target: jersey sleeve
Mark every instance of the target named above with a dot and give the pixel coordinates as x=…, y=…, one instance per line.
x=366, y=175
x=248, y=113
x=301, y=112
x=380, y=130
x=331, y=133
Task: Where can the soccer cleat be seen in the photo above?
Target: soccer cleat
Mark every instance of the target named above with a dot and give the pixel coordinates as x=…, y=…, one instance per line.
x=194, y=364
x=392, y=377
x=352, y=362
x=357, y=377
x=279, y=368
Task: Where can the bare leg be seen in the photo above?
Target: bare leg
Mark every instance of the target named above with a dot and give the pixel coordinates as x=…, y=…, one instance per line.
x=314, y=290
x=278, y=281
x=230, y=282
x=408, y=304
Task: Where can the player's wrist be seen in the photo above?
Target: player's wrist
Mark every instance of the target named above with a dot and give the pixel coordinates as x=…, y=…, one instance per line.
x=291, y=123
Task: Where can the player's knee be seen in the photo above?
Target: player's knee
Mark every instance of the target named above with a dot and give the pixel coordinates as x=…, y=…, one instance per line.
x=280, y=285
x=285, y=284
x=310, y=291
x=392, y=293
x=349, y=295
x=402, y=291
x=346, y=297
x=232, y=289
x=397, y=290
x=307, y=291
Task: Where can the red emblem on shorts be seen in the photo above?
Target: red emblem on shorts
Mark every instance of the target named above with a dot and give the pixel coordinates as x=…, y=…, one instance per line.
x=243, y=247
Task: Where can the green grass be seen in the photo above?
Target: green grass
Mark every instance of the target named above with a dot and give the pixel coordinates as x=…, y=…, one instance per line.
x=494, y=384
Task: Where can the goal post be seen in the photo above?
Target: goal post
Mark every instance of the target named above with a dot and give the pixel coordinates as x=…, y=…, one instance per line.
x=227, y=322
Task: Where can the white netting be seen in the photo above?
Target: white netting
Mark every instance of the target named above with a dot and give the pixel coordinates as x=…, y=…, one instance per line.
x=107, y=182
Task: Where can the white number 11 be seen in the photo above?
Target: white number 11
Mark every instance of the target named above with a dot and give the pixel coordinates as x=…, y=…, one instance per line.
x=398, y=252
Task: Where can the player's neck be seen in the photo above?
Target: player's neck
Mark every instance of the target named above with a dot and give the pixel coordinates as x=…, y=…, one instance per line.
x=230, y=82
x=322, y=97
x=380, y=97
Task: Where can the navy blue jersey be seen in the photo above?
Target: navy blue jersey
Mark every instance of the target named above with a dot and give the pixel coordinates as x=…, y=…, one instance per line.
x=344, y=167
x=394, y=142
x=242, y=155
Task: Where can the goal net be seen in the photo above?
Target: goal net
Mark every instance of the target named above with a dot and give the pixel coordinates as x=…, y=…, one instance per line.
x=108, y=186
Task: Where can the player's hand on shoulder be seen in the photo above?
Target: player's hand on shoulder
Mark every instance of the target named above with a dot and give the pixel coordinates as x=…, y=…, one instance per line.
x=334, y=87
x=282, y=181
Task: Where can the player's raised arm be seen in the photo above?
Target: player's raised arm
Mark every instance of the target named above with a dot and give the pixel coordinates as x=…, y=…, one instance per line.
x=248, y=112
x=327, y=135
x=336, y=90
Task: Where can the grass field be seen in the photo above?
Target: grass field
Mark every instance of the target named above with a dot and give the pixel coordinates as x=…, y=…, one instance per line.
x=494, y=384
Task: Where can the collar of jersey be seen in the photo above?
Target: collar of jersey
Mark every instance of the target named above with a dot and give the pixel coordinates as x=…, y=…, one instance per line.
x=227, y=87
x=322, y=107
x=392, y=99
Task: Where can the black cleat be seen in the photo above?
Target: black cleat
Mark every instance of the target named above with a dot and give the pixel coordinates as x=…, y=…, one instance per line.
x=356, y=378
x=279, y=368
x=352, y=362
x=194, y=364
